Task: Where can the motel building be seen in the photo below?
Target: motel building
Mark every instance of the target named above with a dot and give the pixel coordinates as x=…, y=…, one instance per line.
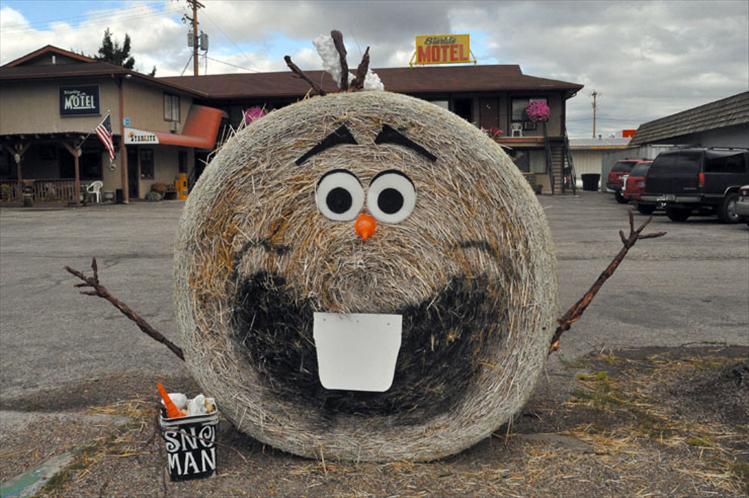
x=165, y=128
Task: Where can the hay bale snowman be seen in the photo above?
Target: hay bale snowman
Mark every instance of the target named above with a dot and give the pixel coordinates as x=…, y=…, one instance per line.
x=365, y=276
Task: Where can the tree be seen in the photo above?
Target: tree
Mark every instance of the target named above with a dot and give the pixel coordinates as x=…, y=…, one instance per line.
x=111, y=51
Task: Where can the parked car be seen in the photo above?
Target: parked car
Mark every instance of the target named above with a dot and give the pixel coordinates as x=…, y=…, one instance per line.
x=702, y=181
x=614, y=180
x=634, y=183
x=742, y=204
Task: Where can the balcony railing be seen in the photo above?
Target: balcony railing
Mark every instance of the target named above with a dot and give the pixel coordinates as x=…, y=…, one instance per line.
x=44, y=190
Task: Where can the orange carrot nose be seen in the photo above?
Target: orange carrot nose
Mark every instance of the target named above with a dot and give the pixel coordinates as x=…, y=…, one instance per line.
x=365, y=225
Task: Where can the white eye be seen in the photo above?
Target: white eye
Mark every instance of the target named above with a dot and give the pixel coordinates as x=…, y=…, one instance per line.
x=391, y=197
x=339, y=195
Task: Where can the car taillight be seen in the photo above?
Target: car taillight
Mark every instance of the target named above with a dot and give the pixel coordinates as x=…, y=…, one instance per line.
x=701, y=179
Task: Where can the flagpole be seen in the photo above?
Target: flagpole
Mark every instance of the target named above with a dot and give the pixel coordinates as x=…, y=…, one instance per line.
x=109, y=111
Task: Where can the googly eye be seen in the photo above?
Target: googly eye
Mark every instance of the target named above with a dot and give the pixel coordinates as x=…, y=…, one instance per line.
x=339, y=195
x=391, y=197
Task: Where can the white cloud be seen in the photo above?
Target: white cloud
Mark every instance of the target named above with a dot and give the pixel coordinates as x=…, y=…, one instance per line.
x=647, y=59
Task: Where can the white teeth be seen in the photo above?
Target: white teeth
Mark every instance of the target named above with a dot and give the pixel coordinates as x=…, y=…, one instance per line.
x=357, y=351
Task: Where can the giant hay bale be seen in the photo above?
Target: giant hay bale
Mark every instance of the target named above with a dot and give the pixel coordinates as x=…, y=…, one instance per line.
x=471, y=270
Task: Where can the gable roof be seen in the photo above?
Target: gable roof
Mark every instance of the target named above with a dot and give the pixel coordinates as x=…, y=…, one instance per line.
x=419, y=80
x=730, y=111
x=45, y=50
x=15, y=71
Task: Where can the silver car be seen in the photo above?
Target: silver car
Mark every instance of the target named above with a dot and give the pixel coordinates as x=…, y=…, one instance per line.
x=742, y=204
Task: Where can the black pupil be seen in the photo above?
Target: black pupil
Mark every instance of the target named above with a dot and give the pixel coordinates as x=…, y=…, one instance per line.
x=390, y=201
x=339, y=200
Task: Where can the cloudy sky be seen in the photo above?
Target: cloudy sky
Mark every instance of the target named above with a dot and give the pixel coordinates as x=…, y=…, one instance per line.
x=646, y=59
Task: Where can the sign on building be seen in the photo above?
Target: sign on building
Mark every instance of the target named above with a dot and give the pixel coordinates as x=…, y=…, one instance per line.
x=140, y=137
x=442, y=49
x=79, y=100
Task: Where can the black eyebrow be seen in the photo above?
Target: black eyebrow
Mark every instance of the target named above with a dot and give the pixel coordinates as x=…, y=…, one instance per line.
x=390, y=135
x=340, y=136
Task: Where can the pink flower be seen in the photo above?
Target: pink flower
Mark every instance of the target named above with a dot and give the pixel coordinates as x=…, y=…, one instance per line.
x=538, y=111
x=253, y=113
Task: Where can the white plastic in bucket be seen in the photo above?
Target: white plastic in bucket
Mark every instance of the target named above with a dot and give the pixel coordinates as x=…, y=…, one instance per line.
x=357, y=351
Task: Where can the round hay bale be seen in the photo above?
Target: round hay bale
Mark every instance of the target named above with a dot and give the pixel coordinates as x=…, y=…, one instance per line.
x=471, y=270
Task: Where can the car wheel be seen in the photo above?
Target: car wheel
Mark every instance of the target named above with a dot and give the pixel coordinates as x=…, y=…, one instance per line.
x=678, y=214
x=646, y=208
x=620, y=198
x=727, y=213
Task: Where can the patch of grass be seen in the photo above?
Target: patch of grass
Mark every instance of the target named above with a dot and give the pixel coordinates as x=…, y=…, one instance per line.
x=83, y=457
x=699, y=441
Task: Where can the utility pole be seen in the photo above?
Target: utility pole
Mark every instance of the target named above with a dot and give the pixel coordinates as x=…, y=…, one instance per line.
x=195, y=4
x=595, y=108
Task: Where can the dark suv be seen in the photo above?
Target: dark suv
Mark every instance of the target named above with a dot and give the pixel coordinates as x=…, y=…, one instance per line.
x=697, y=181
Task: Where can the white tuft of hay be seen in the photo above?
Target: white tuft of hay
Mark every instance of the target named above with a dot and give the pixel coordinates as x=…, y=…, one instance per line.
x=331, y=61
x=472, y=270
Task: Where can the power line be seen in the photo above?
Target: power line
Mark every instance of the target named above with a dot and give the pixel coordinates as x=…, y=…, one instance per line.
x=216, y=25
x=186, y=64
x=233, y=65
x=98, y=14
x=115, y=18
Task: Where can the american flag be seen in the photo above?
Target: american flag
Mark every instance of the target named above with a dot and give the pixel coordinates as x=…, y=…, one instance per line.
x=104, y=132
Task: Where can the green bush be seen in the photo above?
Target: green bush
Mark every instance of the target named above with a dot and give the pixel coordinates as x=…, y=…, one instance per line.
x=6, y=191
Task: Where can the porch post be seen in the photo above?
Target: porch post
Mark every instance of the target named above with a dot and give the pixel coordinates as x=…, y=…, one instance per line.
x=123, y=149
x=76, y=152
x=18, y=151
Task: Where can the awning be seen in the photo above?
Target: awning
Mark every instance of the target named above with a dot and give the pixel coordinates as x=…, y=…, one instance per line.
x=200, y=130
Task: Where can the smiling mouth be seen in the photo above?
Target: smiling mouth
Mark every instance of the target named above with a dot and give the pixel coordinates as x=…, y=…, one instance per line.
x=443, y=340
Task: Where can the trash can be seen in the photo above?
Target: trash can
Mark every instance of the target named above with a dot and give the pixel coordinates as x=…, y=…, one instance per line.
x=28, y=194
x=190, y=445
x=590, y=181
x=119, y=197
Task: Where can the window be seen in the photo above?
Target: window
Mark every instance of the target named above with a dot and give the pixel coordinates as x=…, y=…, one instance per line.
x=146, y=164
x=725, y=164
x=90, y=164
x=518, y=111
x=464, y=108
x=529, y=161
x=171, y=107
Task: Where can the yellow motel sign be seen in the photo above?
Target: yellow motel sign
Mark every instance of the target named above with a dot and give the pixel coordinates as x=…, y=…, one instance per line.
x=442, y=49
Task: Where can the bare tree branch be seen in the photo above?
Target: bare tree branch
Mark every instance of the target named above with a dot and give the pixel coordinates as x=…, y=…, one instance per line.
x=576, y=311
x=102, y=292
x=337, y=37
x=300, y=74
x=361, y=72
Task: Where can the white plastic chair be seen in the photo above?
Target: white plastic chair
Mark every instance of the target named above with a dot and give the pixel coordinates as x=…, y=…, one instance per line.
x=94, y=190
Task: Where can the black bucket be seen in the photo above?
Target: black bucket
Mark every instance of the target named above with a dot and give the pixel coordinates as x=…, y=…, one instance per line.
x=190, y=445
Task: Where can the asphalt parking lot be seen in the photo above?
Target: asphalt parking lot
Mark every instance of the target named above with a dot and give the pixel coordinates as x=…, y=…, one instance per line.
x=77, y=377
x=690, y=286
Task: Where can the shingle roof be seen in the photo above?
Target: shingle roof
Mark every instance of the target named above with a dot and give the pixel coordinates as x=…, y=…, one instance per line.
x=47, y=49
x=730, y=111
x=599, y=143
x=402, y=80
x=58, y=71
